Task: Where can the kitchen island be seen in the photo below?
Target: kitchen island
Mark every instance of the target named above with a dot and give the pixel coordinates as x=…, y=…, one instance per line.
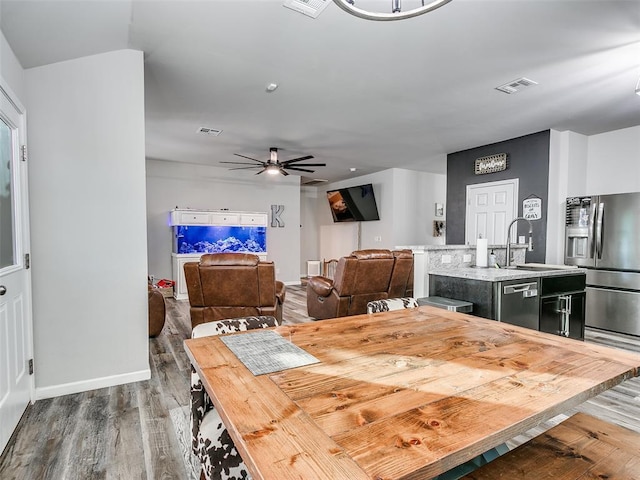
x=549, y=298
x=444, y=257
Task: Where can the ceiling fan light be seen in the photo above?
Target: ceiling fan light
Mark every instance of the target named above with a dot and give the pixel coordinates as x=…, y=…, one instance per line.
x=273, y=170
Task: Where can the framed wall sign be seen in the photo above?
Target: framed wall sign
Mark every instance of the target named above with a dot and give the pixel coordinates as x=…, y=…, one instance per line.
x=532, y=208
x=491, y=164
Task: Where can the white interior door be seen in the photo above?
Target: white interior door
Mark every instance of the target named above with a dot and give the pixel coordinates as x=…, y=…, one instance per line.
x=16, y=384
x=491, y=207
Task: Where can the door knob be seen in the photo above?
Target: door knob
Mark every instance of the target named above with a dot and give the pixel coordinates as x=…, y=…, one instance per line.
x=3, y=290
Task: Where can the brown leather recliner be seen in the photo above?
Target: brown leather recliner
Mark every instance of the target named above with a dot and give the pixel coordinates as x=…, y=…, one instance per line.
x=157, y=311
x=360, y=278
x=231, y=285
x=401, y=284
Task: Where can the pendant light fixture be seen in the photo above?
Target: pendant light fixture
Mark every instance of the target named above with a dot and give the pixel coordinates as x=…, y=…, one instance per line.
x=395, y=12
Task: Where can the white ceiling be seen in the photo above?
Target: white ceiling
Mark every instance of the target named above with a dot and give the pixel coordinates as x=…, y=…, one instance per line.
x=352, y=92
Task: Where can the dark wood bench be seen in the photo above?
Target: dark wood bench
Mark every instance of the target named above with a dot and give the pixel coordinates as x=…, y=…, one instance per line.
x=580, y=447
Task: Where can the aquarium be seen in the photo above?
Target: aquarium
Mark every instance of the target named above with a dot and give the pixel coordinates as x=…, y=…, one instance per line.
x=219, y=238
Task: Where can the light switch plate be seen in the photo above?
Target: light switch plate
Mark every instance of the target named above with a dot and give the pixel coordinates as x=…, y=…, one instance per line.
x=446, y=258
x=466, y=258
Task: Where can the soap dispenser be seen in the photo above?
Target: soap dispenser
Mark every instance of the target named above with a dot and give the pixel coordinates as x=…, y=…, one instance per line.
x=492, y=259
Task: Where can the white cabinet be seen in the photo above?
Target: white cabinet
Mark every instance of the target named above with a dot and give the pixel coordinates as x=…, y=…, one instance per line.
x=225, y=219
x=195, y=233
x=253, y=219
x=190, y=218
x=177, y=263
x=217, y=217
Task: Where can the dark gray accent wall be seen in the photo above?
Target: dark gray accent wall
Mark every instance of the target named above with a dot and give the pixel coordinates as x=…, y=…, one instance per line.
x=528, y=160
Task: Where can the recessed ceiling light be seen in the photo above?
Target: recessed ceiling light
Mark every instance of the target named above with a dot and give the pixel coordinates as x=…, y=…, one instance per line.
x=352, y=169
x=271, y=87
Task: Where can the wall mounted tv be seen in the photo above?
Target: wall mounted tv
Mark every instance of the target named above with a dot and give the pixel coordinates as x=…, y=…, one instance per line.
x=353, y=204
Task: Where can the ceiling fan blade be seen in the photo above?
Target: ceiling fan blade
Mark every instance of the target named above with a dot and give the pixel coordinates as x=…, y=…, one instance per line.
x=307, y=165
x=299, y=169
x=293, y=160
x=283, y=172
x=263, y=170
x=241, y=163
x=249, y=158
x=245, y=168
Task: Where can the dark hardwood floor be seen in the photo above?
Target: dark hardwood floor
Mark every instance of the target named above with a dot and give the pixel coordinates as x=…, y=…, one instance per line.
x=125, y=432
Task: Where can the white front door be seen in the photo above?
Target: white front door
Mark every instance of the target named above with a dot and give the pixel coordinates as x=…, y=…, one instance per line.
x=16, y=384
x=491, y=207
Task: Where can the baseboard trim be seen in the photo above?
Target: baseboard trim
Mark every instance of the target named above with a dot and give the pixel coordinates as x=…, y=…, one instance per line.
x=92, y=384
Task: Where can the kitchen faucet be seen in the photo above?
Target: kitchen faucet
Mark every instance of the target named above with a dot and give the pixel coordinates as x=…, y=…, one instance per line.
x=509, y=237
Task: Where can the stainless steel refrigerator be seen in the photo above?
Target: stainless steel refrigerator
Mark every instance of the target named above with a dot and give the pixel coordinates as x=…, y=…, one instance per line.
x=603, y=235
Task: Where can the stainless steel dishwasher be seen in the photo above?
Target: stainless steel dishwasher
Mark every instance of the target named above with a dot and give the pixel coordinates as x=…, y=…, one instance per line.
x=518, y=302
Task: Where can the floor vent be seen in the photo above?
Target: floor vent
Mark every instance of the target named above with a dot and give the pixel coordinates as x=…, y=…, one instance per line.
x=516, y=85
x=209, y=131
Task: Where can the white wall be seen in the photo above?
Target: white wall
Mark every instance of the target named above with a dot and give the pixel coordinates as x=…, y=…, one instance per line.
x=415, y=196
x=567, y=177
x=309, y=229
x=88, y=222
x=613, y=164
x=406, y=204
x=11, y=70
x=172, y=184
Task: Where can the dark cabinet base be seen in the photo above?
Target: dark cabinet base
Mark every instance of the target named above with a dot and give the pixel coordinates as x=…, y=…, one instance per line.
x=552, y=310
x=478, y=292
x=554, y=314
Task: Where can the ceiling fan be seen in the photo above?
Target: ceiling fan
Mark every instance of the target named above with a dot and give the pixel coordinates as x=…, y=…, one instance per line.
x=273, y=166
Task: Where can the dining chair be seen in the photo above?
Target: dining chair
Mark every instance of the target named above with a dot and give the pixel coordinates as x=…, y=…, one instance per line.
x=389, y=304
x=210, y=440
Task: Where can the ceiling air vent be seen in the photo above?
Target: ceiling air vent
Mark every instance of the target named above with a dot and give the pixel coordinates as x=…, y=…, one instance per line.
x=516, y=85
x=313, y=181
x=209, y=131
x=310, y=8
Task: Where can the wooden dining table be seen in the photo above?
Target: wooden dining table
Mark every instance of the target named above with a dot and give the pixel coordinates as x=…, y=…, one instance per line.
x=407, y=394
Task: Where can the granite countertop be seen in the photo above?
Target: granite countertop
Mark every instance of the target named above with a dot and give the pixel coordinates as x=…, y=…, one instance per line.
x=514, y=246
x=501, y=274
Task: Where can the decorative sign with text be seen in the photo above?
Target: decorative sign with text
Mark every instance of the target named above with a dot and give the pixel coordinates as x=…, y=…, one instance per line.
x=532, y=208
x=491, y=164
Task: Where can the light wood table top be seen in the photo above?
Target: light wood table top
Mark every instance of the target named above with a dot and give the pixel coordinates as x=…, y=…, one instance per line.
x=399, y=395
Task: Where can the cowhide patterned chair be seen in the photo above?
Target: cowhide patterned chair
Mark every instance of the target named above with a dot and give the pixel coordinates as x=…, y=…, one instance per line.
x=389, y=304
x=210, y=440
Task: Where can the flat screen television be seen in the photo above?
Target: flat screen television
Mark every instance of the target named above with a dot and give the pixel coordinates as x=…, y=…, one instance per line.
x=353, y=204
